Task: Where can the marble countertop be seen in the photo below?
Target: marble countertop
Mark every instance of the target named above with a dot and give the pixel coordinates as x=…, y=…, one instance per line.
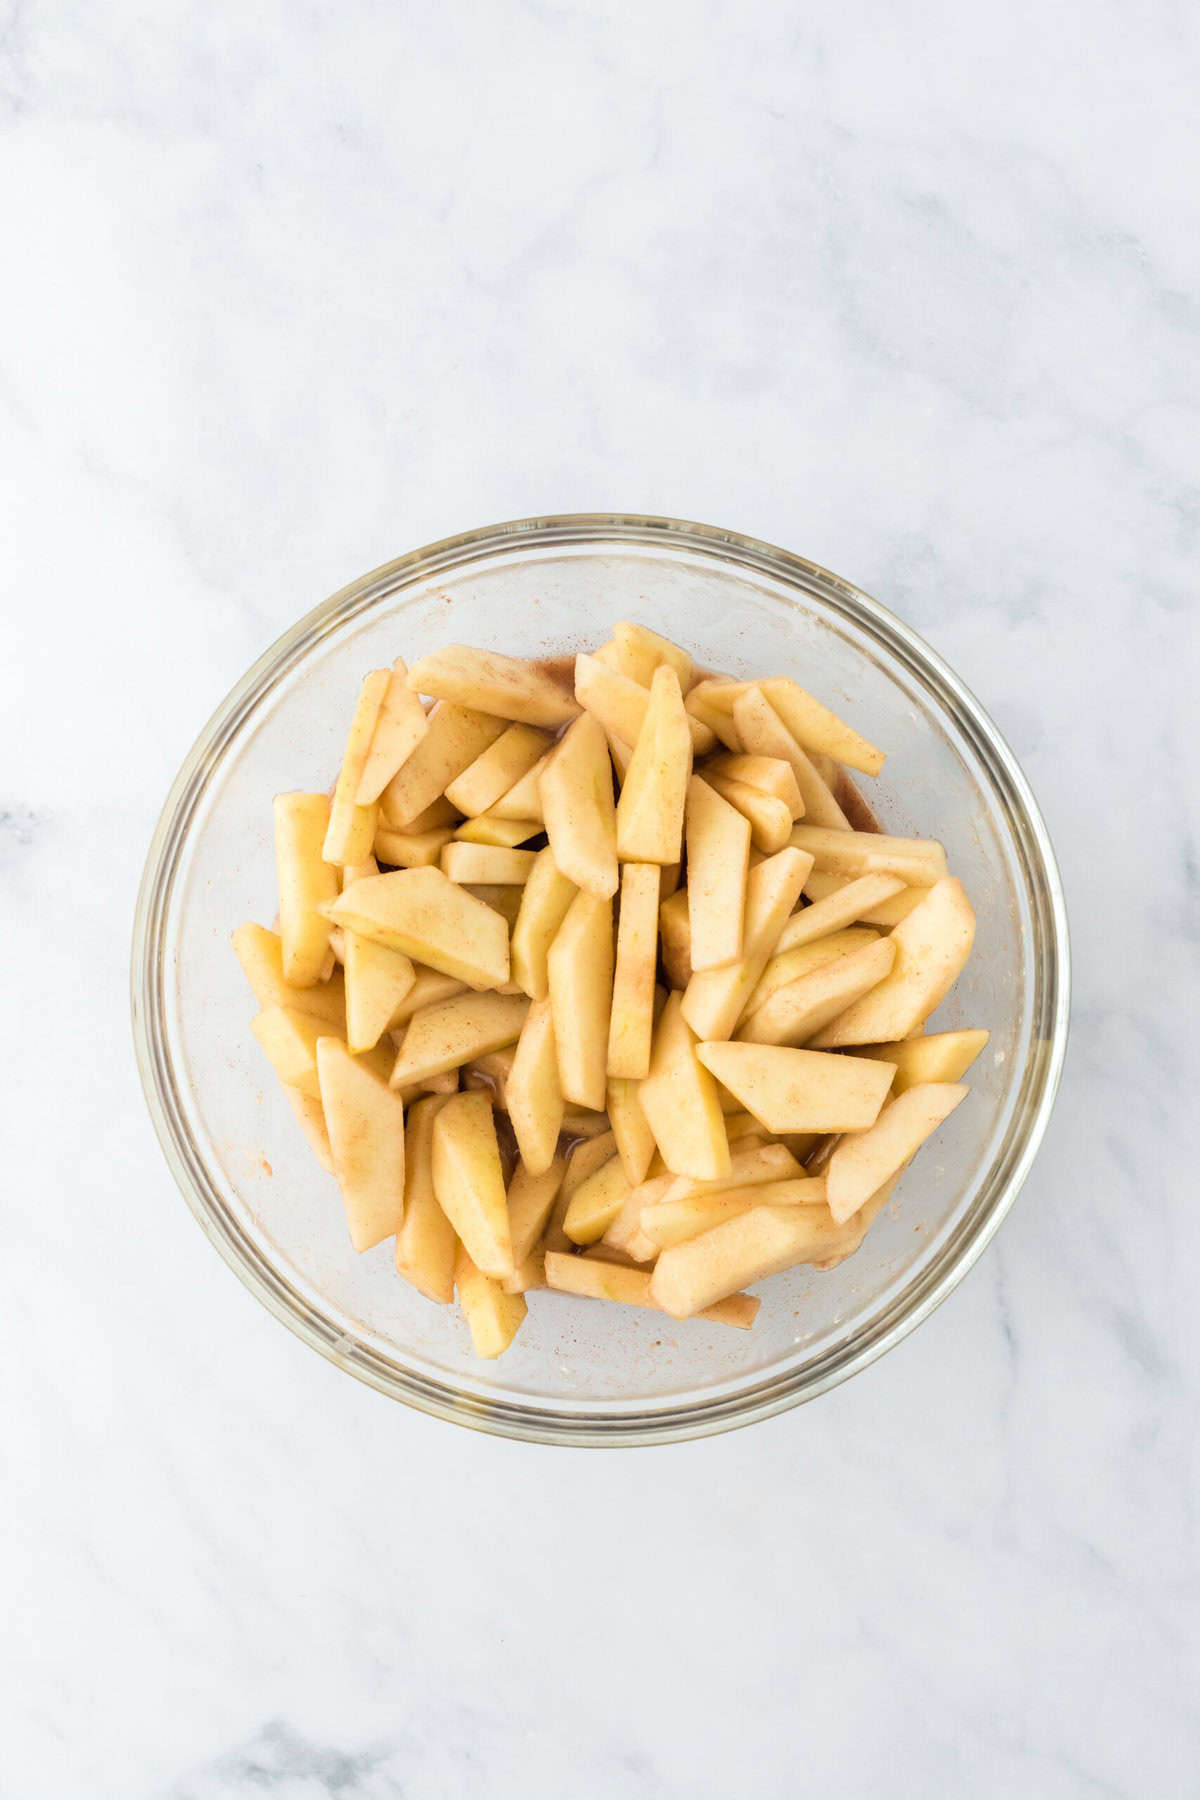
x=914, y=290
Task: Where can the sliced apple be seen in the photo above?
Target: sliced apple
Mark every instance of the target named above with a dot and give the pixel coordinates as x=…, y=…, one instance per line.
x=596, y=1202
x=493, y=1315
x=822, y=885
x=625, y=1233
x=635, y=1140
x=511, y=687
x=400, y=724
x=800, y=1090
x=942, y=1056
x=651, y=807
x=748, y=1167
x=580, y=973
x=503, y=897
x=533, y=1091
x=524, y=799
x=718, y=861
x=743, y=1250
x=310, y=1116
x=920, y=861
x=770, y=820
x=632, y=1021
x=530, y=1200
x=260, y=953
x=468, y=1180
x=497, y=770
x=427, y=916
x=769, y=774
x=446, y=1036
x=864, y=1160
x=429, y=987
x=545, y=903
x=679, y=1099
x=290, y=1040
x=818, y=729
x=796, y=1012
x=711, y=701
x=366, y=1135
x=764, y=733
x=502, y=833
x=594, y=1279
x=351, y=829
x=640, y=652
x=714, y=998
x=620, y=704
x=306, y=883
x=577, y=802
x=675, y=936
x=377, y=981
x=411, y=849
x=787, y=966
x=487, y=864
x=425, y=1242
x=453, y=738
x=932, y=945
x=840, y=908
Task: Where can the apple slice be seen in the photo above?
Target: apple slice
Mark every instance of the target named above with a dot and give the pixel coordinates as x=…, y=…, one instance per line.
x=932, y=945
x=594, y=1279
x=749, y=1167
x=469, y=1181
x=675, y=936
x=524, y=799
x=306, y=883
x=400, y=724
x=764, y=733
x=310, y=1116
x=632, y=1022
x=580, y=973
x=366, y=1135
x=260, y=953
x=596, y=1202
x=625, y=1233
x=864, y=1160
x=530, y=1199
x=818, y=729
x=427, y=916
x=651, y=807
x=822, y=884
x=797, y=1011
x=534, y=1093
x=411, y=849
x=493, y=1315
x=711, y=701
x=770, y=820
x=942, y=1056
x=503, y=897
x=377, y=980
x=714, y=998
x=620, y=704
x=351, y=829
x=787, y=966
x=497, y=770
x=503, y=834
x=486, y=864
x=640, y=652
x=425, y=1242
x=920, y=861
x=718, y=861
x=679, y=1099
x=290, y=1040
x=769, y=774
x=843, y=906
x=511, y=687
x=454, y=736
x=544, y=905
x=635, y=1140
x=800, y=1090
x=429, y=987
x=577, y=802
x=446, y=1036
x=736, y=1254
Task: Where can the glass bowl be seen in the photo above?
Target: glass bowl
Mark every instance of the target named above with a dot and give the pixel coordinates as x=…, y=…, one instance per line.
x=580, y=1372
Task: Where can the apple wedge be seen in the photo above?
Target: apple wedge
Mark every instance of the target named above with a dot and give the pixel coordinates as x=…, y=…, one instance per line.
x=468, y=1180
x=290, y=1040
x=429, y=987
x=714, y=999
x=797, y=1011
x=768, y=774
x=306, y=883
x=425, y=1242
x=749, y=1167
x=351, y=829
x=770, y=820
x=864, y=1160
x=679, y=1100
x=932, y=945
x=650, y=810
x=718, y=861
x=635, y=1140
x=504, y=897
x=675, y=938
x=502, y=834
x=365, y=1121
x=530, y=1199
x=942, y=1056
x=545, y=902
x=424, y=914
x=620, y=704
x=260, y=953
x=843, y=906
x=446, y=1036
x=486, y=864
x=763, y=733
x=534, y=1093
x=737, y=1253
x=580, y=972
x=524, y=799
x=919, y=861
x=494, y=1316
x=411, y=849
x=594, y=1279
x=640, y=652
x=578, y=806
x=800, y=1090
x=377, y=980
x=400, y=724
x=818, y=729
x=596, y=1202
x=632, y=1021
x=787, y=966
x=454, y=736
x=511, y=687
x=497, y=770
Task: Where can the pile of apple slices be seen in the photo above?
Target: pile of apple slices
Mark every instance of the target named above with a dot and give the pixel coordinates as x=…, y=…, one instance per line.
x=607, y=985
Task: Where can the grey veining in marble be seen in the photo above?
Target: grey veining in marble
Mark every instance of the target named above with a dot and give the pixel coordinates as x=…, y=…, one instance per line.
x=912, y=289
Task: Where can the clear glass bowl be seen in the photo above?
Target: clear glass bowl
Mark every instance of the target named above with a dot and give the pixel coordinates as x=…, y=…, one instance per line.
x=582, y=1373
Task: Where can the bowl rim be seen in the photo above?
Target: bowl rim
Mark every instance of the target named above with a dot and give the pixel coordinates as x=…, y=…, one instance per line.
x=505, y=1416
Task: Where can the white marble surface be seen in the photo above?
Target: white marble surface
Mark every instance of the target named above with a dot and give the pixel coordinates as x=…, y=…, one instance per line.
x=288, y=289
